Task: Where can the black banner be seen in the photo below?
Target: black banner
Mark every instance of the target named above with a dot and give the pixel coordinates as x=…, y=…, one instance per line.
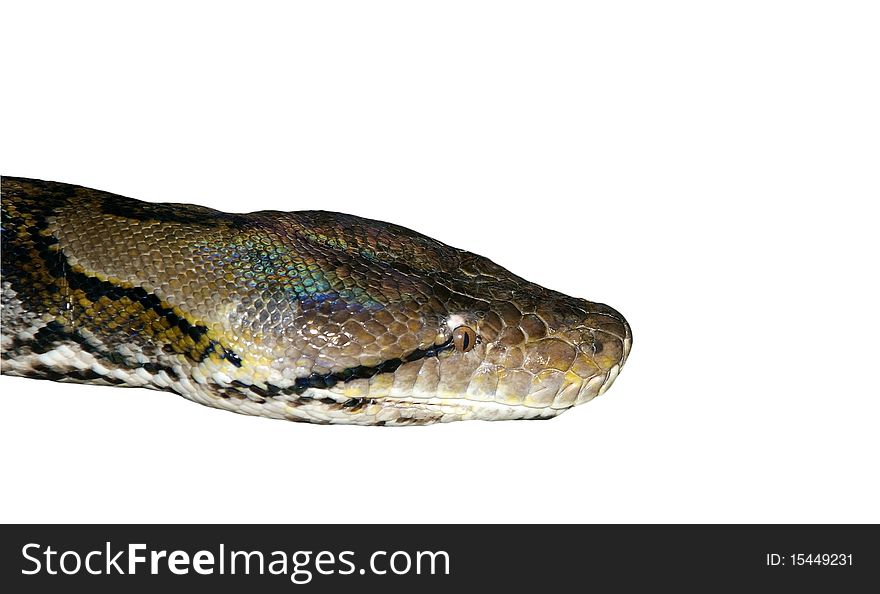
x=318, y=558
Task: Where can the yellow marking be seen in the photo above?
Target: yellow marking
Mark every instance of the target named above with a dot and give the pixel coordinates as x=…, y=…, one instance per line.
x=64, y=305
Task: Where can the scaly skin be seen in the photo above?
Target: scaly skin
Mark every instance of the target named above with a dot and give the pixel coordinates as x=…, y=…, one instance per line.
x=307, y=316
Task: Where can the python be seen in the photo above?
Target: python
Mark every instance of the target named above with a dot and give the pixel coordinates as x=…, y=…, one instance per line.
x=306, y=316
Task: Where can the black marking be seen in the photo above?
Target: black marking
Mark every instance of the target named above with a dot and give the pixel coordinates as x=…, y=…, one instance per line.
x=84, y=375
x=114, y=381
x=95, y=288
x=46, y=372
x=231, y=357
x=328, y=380
x=51, y=335
x=54, y=334
x=227, y=393
x=40, y=200
x=47, y=337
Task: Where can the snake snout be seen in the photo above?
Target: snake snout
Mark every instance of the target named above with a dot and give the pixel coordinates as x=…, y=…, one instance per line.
x=589, y=350
x=559, y=356
x=610, y=332
x=609, y=344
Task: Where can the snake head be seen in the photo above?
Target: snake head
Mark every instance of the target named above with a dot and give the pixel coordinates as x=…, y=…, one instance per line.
x=535, y=353
x=538, y=352
x=416, y=331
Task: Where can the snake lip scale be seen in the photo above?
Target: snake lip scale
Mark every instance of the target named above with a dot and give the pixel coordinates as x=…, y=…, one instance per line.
x=307, y=316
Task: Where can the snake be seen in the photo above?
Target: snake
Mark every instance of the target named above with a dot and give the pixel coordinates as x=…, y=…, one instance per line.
x=308, y=316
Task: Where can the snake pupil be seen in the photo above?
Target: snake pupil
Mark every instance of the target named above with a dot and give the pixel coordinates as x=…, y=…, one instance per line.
x=464, y=338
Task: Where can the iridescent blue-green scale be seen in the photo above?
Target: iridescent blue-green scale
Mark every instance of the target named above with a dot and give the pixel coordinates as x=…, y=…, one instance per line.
x=267, y=267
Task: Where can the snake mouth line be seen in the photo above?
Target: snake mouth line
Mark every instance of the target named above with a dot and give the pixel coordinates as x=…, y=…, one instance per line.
x=405, y=412
x=329, y=380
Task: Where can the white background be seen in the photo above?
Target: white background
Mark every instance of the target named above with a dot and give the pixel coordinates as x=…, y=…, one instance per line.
x=709, y=169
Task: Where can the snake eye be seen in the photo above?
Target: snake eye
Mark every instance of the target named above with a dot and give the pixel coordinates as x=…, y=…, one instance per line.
x=464, y=338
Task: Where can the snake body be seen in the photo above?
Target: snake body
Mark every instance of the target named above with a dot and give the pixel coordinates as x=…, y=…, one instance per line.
x=307, y=316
